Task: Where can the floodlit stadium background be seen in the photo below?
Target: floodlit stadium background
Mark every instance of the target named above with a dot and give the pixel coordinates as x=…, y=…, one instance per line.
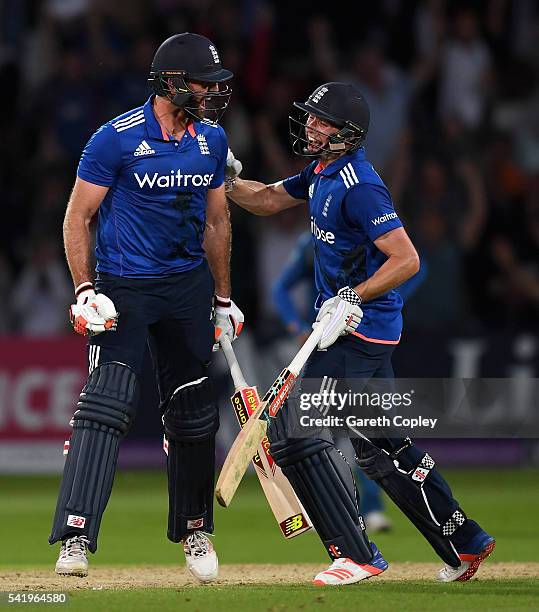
x=454, y=100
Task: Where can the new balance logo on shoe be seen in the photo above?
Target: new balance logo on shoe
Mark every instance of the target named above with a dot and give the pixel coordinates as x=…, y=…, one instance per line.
x=143, y=149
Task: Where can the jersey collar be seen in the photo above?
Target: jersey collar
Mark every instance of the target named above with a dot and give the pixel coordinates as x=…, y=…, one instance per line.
x=338, y=164
x=153, y=129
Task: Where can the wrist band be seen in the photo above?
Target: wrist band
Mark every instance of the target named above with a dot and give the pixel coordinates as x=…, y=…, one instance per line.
x=349, y=295
x=83, y=287
x=221, y=301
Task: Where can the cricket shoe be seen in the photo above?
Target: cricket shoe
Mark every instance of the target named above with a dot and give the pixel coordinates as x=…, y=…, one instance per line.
x=72, y=560
x=476, y=551
x=345, y=571
x=376, y=522
x=200, y=556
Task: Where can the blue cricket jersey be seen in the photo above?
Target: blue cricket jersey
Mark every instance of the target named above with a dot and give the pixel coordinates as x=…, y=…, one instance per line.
x=151, y=222
x=350, y=207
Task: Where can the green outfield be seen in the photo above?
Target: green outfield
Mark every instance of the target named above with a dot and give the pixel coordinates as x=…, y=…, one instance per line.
x=133, y=544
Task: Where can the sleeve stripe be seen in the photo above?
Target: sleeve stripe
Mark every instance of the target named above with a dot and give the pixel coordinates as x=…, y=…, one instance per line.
x=344, y=178
x=128, y=119
x=349, y=176
x=130, y=125
x=353, y=173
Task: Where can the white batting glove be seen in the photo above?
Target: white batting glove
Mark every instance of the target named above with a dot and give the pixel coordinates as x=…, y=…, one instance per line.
x=93, y=313
x=227, y=318
x=345, y=314
x=232, y=170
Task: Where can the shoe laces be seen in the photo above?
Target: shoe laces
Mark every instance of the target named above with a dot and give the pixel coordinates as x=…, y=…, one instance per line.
x=337, y=563
x=197, y=544
x=74, y=546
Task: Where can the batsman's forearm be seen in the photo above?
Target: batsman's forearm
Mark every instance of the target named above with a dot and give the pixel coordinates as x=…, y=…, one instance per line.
x=217, y=241
x=77, y=247
x=395, y=271
x=253, y=196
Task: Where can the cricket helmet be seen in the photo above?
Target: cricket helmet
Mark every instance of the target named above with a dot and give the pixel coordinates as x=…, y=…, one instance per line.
x=184, y=58
x=340, y=104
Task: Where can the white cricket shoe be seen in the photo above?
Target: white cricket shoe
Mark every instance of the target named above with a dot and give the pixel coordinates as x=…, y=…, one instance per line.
x=72, y=560
x=376, y=522
x=201, y=557
x=479, y=549
x=345, y=571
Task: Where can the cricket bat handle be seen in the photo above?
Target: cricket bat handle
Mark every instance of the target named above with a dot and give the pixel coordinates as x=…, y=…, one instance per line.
x=230, y=356
x=308, y=347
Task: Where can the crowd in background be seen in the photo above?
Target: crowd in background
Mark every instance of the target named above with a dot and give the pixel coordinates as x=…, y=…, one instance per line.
x=453, y=90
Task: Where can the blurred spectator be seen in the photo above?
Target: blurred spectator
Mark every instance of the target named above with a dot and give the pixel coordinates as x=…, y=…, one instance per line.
x=430, y=27
x=514, y=283
x=50, y=203
x=388, y=92
x=271, y=130
x=42, y=293
x=465, y=72
x=446, y=213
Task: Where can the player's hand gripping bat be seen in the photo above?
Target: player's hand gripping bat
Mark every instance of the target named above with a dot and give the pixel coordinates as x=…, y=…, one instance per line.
x=250, y=437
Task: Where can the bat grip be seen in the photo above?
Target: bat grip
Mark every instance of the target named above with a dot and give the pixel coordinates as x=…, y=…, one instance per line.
x=308, y=347
x=234, y=366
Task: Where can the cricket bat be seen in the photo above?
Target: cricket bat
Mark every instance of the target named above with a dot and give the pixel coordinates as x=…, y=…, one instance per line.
x=253, y=432
x=287, y=509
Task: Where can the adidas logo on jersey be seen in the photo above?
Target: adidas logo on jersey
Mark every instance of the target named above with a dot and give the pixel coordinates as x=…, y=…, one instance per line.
x=311, y=190
x=203, y=145
x=143, y=149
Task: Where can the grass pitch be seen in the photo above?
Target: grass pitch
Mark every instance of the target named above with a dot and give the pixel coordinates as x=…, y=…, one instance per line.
x=137, y=567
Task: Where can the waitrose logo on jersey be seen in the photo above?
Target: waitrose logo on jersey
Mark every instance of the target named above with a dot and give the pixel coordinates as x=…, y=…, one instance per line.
x=384, y=218
x=174, y=179
x=321, y=234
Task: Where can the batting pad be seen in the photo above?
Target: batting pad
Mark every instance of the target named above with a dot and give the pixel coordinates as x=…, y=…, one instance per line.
x=105, y=412
x=325, y=486
x=87, y=481
x=191, y=421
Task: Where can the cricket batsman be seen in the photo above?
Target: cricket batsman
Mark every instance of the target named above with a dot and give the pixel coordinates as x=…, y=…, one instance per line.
x=155, y=178
x=362, y=253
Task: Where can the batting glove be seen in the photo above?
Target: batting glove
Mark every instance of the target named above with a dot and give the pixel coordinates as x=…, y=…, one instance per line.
x=232, y=171
x=93, y=313
x=345, y=314
x=227, y=318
